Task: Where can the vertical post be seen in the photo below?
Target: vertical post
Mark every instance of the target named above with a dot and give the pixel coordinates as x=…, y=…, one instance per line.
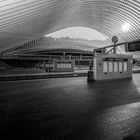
x=114, y=49
x=63, y=55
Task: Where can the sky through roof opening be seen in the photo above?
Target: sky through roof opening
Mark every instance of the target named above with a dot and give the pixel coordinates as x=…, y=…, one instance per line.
x=78, y=32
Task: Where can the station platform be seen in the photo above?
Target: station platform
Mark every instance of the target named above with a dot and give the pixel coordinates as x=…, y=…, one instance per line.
x=43, y=75
x=40, y=74
x=70, y=109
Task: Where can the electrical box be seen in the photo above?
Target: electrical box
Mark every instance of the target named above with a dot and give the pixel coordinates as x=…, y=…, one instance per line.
x=113, y=66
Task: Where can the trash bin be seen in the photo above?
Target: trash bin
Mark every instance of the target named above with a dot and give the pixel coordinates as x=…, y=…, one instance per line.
x=90, y=77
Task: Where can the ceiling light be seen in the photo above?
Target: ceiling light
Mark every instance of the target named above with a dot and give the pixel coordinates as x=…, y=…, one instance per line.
x=126, y=27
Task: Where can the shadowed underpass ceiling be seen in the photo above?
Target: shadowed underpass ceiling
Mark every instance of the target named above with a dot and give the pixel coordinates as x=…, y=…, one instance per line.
x=24, y=20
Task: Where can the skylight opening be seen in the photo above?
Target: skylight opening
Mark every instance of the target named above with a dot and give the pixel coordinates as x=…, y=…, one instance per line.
x=78, y=33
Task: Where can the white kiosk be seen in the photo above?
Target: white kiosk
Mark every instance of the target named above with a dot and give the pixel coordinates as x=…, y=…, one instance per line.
x=112, y=66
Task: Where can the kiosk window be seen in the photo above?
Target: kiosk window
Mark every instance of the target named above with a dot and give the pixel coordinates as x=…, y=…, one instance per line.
x=125, y=66
x=105, y=67
x=61, y=65
x=110, y=66
x=115, y=66
x=69, y=65
x=120, y=67
x=66, y=65
x=58, y=65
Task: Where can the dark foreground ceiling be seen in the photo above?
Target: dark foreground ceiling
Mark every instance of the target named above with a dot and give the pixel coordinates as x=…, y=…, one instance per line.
x=24, y=20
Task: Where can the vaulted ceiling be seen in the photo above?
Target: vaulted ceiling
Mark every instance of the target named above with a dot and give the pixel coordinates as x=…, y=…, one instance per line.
x=24, y=20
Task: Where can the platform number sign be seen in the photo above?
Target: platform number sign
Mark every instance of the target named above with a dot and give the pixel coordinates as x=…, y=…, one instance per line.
x=114, y=39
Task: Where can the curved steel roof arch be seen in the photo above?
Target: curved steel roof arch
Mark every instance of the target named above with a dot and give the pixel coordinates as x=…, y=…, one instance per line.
x=24, y=20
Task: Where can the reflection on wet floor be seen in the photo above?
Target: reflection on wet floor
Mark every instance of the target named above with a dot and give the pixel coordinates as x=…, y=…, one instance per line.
x=70, y=109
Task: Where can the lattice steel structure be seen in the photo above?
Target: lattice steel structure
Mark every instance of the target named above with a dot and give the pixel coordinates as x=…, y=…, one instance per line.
x=25, y=20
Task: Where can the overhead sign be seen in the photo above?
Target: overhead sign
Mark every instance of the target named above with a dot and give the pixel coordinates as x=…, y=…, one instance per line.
x=115, y=59
x=133, y=46
x=114, y=39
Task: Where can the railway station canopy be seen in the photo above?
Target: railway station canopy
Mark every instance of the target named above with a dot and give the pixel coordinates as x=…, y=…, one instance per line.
x=23, y=21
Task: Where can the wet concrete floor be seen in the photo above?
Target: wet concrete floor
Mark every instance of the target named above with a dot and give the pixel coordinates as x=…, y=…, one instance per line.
x=70, y=109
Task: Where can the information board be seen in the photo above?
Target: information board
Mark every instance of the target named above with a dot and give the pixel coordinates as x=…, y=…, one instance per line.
x=133, y=46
